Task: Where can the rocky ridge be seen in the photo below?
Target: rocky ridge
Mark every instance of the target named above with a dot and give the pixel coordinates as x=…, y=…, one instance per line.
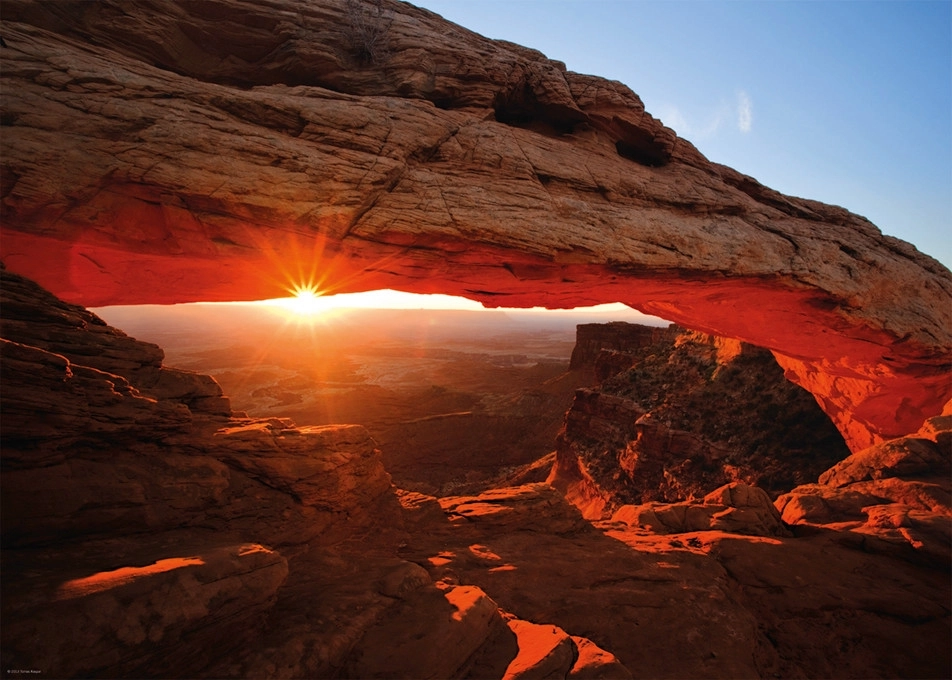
x=171, y=151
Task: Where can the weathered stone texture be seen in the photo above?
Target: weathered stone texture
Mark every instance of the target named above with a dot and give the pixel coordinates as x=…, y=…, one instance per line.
x=173, y=151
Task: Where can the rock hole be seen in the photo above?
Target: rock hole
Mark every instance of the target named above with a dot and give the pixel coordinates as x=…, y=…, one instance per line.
x=522, y=108
x=643, y=149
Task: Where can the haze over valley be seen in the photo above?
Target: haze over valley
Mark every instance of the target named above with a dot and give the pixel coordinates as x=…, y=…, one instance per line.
x=454, y=398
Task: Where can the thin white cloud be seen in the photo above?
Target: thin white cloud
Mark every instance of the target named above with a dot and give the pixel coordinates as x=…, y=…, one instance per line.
x=745, y=112
x=707, y=124
x=676, y=120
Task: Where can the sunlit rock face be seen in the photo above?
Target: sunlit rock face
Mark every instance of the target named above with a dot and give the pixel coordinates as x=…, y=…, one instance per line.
x=677, y=414
x=174, y=151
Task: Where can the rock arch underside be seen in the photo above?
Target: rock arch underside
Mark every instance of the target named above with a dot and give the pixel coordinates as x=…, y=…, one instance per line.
x=216, y=151
x=175, y=151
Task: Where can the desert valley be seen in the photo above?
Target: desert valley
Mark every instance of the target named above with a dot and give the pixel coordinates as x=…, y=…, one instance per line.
x=453, y=398
x=757, y=486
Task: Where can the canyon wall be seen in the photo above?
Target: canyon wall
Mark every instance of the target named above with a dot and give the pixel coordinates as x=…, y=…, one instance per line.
x=676, y=414
x=591, y=339
x=171, y=151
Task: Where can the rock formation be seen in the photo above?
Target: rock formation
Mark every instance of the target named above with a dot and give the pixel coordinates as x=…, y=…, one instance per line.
x=147, y=533
x=143, y=537
x=896, y=494
x=703, y=601
x=678, y=414
x=172, y=151
x=594, y=339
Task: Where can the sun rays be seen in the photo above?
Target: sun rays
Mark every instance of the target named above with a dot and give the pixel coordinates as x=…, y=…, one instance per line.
x=304, y=301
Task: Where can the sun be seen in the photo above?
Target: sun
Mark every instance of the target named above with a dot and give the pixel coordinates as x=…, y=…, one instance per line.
x=306, y=301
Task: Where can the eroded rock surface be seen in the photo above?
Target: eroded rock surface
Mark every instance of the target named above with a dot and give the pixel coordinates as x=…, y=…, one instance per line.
x=132, y=620
x=146, y=535
x=895, y=497
x=699, y=603
x=735, y=508
x=678, y=414
x=176, y=151
x=229, y=547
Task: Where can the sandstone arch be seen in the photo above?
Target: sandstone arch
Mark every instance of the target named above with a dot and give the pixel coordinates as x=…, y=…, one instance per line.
x=221, y=151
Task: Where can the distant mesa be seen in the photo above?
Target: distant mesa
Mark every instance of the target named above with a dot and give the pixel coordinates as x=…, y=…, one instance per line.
x=594, y=338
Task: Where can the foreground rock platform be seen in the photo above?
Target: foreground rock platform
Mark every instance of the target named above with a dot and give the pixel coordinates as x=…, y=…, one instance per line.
x=697, y=603
x=224, y=150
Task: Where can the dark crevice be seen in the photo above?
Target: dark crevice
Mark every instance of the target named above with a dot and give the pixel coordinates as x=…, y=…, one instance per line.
x=643, y=150
x=785, y=237
x=485, y=292
x=522, y=108
x=8, y=180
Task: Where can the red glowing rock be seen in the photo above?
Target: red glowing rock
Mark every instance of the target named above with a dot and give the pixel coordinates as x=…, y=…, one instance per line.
x=202, y=151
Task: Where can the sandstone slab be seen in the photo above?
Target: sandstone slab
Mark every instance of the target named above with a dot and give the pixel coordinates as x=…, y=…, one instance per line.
x=897, y=495
x=334, y=467
x=734, y=508
x=530, y=507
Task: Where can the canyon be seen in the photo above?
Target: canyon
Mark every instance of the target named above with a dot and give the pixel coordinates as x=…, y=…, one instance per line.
x=150, y=531
x=454, y=399
x=174, y=151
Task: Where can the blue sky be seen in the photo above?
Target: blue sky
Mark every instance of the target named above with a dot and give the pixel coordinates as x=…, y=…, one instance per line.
x=844, y=102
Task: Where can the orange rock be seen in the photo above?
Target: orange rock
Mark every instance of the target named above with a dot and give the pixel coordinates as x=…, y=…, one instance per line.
x=150, y=162
x=544, y=652
x=533, y=506
x=897, y=494
x=733, y=508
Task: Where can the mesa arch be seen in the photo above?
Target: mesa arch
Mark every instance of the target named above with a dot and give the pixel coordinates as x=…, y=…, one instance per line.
x=226, y=151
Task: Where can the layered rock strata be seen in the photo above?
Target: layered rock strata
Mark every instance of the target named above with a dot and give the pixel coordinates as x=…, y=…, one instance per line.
x=592, y=340
x=173, y=151
x=148, y=534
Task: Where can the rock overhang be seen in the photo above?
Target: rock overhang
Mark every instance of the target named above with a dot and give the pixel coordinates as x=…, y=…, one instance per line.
x=219, y=151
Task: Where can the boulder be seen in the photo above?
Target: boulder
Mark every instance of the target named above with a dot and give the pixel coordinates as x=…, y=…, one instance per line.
x=132, y=620
x=595, y=663
x=533, y=507
x=897, y=494
x=545, y=651
x=436, y=633
x=733, y=508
